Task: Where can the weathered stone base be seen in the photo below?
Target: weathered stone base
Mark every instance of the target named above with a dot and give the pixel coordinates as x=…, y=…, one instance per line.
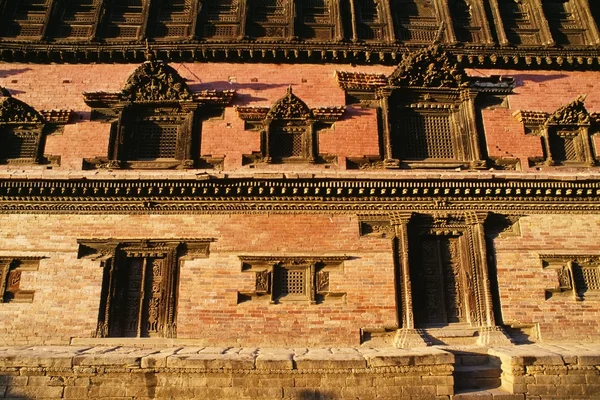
x=225, y=373
x=70, y=372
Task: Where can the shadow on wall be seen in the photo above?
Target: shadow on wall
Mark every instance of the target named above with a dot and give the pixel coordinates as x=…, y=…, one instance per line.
x=310, y=394
x=520, y=79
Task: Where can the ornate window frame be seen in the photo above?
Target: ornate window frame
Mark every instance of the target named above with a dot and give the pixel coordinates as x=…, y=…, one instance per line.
x=10, y=278
x=22, y=124
x=289, y=116
x=271, y=283
x=158, y=307
x=568, y=130
x=155, y=94
x=577, y=275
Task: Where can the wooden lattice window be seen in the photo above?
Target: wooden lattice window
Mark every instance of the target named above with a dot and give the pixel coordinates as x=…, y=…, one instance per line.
x=220, y=19
x=415, y=20
x=565, y=22
x=566, y=146
x=289, y=142
x=520, y=25
x=154, y=140
x=465, y=26
x=314, y=20
x=577, y=275
x=171, y=19
x=76, y=19
x=268, y=18
x=25, y=18
x=125, y=19
x=20, y=145
x=291, y=283
x=11, y=270
x=370, y=23
x=424, y=136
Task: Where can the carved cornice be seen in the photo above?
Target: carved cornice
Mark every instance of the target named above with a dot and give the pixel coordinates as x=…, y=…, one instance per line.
x=103, y=248
x=156, y=82
x=468, y=55
x=513, y=196
x=431, y=67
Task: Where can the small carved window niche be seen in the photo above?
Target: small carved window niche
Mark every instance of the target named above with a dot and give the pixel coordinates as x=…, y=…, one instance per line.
x=140, y=284
x=428, y=109
x=11, y=270
x=77, y=19
x=289, y=130
x=23, y=131
x=565, y=134
x=155, y=120
x=25, y=19
x=221, y=19
x=289, y=279
x=577, y=275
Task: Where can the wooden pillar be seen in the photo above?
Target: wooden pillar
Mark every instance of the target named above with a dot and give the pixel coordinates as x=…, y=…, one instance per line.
x=383, y=94
x=243, y=17
x=336, y=11
x=499, y=25
x=390, y=33
x=353, y=19
x=480, y=17
x=407, y=336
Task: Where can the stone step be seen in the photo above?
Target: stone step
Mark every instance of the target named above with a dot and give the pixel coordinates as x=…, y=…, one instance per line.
x=477, y=377
x=453, y=335
x=486, y=394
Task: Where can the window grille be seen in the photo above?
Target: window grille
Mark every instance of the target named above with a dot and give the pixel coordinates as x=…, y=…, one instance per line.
x=267, y=18
x=566, y=27
x=314, y=20
x=415, y=20
x=18, y=145
x=156, y=141
x=220, y=18
x=27, y=19
x=77, y=19
x=172, y=19
x=424, y=136
x=125, y=19
x=292, y=282
x=518, y=22
x=284, y=144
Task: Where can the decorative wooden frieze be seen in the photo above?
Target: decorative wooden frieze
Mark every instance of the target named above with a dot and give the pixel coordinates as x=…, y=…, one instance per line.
x=288, y=130
x=154, y=119
x=565, y=134
x=381, y=229
x=291, y=278
x=11, y=270
x=140, y=283
x=576, y=275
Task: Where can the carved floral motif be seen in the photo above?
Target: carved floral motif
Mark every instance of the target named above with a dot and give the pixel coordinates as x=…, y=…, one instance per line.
x=289, y=107
x=155, y=81
x=573, y=113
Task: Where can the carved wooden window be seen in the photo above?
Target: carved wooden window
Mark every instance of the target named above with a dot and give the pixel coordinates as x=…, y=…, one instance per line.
x=140, y=284
x=424, y=135
x=77, y=19
x=520, y=23
x=269, y=18
x=172, y=19
x=11, y=270
x=288, y=130
x=314, y=19
x=370, y=23
x=415, y=20
x=566, y=24
x=20, y=144
x=220, y=19
x=125, y=19
x=466, y=27
x=291, y=278
x=576, y=275
x=25, y=18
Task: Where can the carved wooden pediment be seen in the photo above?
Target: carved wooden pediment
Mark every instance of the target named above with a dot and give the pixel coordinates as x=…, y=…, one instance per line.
x=155, y=81
x=14, y=111
x=431, y=67
x=289, y=107
x=573, y=113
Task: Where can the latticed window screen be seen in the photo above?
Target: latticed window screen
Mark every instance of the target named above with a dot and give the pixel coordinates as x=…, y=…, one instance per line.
x=292, y=282
x=284, y=144
x=564, y=147
x=424, y=136
x=586, y=278
x=565, y=26
x=18, y=145
x=315, y=20
x=415, y=20
x=462, y=19
x=518, y=22
x=172, y=19
x=220, y=18
x=369, y=23
x=154, y=140
x=125, y=19
x=28, y=18
x=77, y=18
x=267, y=18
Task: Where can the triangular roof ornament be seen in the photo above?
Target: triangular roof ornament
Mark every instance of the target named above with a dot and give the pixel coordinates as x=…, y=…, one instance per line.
x=15, y=111
x=573, y=113
x=431, y=67
x=289, y=107
x=155, y=81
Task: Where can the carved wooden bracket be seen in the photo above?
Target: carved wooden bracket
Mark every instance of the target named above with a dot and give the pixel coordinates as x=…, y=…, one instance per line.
x=291, y=278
